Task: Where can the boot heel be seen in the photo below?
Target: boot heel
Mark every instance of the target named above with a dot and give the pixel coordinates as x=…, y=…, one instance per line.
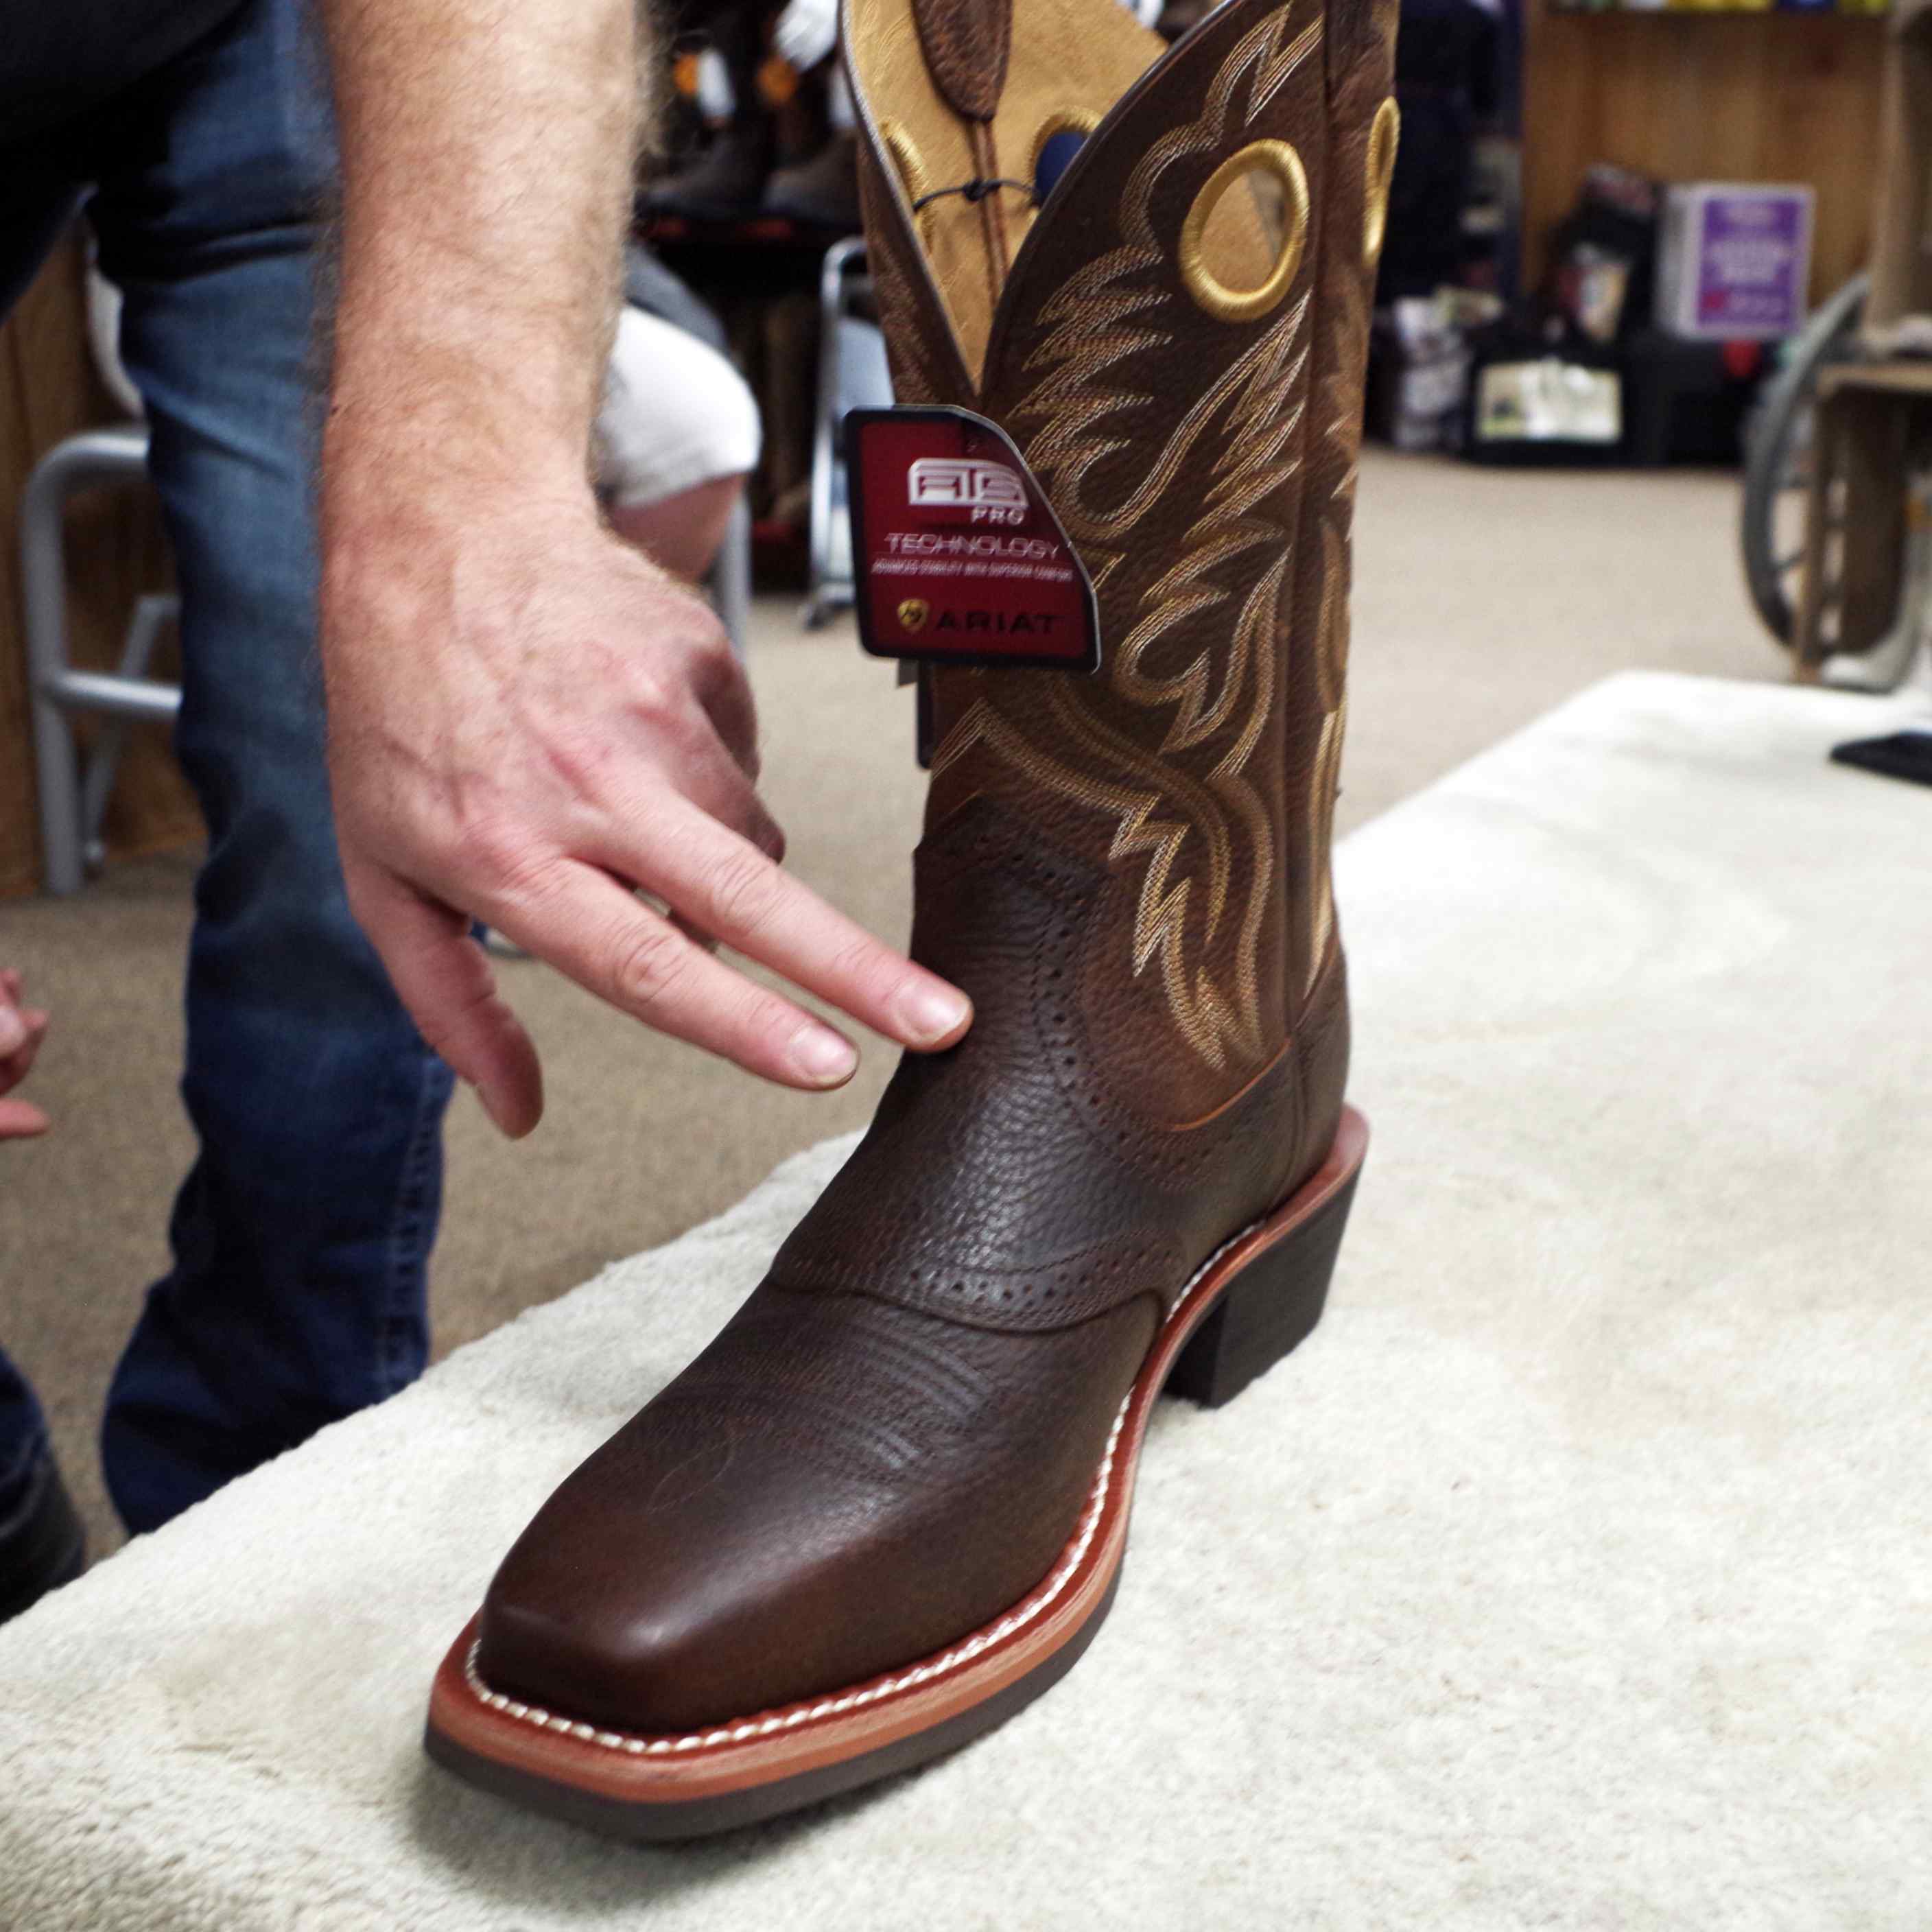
x=1267, y=1310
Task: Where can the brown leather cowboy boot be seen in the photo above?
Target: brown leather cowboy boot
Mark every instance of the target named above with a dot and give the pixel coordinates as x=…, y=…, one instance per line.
x=886, y=1506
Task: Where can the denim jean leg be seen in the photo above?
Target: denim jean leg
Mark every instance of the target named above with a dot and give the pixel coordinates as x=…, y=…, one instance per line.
x=302, y=1236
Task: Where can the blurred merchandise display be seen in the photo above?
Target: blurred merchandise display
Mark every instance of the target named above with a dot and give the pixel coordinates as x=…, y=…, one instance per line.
x=756, y=127
x=1531, y=403
x=759, y=127
x=823, y=189
x=1687, y=401
x=1604, y=256
x=1448, y=64
x=1645, y=342
x=1419, y=362
x=1594, y=283
x=717, y=172
x=1492, y=219
x=1548, y=400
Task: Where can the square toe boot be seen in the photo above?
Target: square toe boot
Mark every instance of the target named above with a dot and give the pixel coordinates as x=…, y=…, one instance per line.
x=887, y=1507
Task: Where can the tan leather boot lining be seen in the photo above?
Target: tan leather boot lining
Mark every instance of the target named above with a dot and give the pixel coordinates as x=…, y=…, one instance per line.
x=1071, y=61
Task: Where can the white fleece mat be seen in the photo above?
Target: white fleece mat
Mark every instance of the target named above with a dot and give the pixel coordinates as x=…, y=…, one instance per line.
x=1578, y=1573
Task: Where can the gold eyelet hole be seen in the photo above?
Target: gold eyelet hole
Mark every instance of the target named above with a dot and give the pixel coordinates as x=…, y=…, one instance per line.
x=1278, y=163
x=914, y=179
x=1081, y=122
x=1384, y=132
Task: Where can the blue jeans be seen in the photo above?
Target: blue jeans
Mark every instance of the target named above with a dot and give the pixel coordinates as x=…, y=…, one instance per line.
x=302, y=1236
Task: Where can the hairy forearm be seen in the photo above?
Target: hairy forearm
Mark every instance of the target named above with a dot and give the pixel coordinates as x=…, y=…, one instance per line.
x=488, y=147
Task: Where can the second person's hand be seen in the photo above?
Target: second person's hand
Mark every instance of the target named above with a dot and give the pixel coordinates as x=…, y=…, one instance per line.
x=22, y=1029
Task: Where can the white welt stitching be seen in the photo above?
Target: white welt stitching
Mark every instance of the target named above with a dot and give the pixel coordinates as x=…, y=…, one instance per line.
x=962, y=1653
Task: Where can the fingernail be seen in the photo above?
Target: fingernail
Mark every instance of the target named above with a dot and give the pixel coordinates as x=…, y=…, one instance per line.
x=930, y=1013
x=822, y=1056
x=13, y=1032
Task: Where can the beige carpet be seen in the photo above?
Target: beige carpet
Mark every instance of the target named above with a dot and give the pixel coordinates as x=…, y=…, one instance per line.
x=1575, y=1575
x=1482, y=599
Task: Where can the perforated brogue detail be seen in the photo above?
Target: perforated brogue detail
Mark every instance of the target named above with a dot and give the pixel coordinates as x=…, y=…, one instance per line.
x=1003, y=1183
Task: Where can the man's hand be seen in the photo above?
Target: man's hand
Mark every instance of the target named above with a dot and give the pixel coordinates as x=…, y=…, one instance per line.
x=527, y=721
x=21, y=1030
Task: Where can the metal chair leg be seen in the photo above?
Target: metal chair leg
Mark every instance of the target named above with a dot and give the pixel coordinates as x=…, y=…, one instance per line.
x=729, y=583
x=98, y=456
x=153, y=613
x=829, y=593
x=58, y=780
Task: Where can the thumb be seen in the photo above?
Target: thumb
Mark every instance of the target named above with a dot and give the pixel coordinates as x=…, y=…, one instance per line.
x=441, y=976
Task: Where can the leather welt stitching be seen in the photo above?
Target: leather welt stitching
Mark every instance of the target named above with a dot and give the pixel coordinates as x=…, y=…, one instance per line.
x=794, y=1716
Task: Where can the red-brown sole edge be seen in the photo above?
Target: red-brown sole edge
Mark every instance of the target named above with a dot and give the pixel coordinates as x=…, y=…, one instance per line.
x=659, y=1790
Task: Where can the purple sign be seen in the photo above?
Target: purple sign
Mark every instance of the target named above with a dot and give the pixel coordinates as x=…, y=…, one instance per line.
x=1752, y=263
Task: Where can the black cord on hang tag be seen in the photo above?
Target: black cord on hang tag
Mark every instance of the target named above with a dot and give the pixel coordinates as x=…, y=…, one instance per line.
x=976, y=190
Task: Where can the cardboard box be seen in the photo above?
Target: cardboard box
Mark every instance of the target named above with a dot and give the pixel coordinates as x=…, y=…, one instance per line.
x=1735, y=261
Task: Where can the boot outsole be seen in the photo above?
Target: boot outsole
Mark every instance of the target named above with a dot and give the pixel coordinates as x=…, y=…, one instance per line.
x=1252, y=1302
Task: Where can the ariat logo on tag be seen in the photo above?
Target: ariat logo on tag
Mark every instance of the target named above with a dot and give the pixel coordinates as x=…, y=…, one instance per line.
x=959, y=556
x=989, y=490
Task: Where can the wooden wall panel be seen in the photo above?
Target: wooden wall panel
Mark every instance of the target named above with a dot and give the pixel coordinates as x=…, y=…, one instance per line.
x=1707, y=96
x=115, y=550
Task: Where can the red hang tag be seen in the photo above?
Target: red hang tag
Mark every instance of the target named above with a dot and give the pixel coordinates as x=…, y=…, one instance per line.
x=958, y=557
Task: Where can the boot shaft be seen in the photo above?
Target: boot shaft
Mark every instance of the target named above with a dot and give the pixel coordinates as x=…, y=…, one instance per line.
x=1175, y=341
